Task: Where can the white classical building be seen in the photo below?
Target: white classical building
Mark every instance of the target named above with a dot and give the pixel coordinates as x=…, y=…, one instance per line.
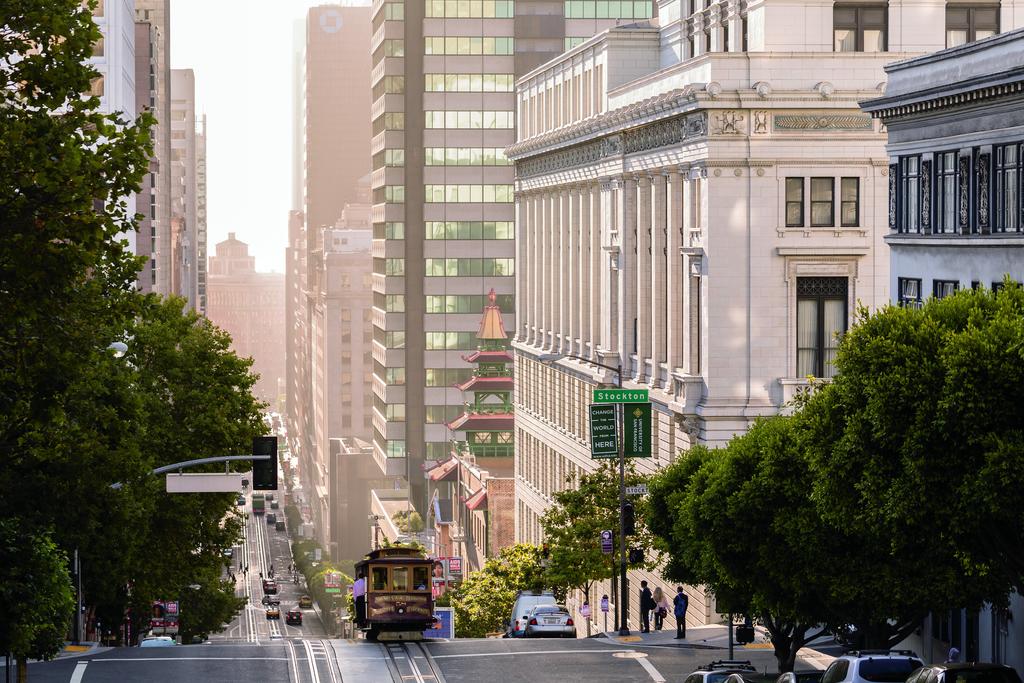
x=700, y=200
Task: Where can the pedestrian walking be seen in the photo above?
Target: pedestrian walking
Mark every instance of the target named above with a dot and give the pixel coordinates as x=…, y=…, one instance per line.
x=646, y=605
x=680, y=602
x=660, y=608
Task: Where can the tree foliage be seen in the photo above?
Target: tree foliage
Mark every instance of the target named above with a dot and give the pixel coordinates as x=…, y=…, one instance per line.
x=483, y=602
x=35, y=590
x=574, y=522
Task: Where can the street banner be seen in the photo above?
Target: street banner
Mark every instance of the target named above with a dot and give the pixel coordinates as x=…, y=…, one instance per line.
x=454, y=566
x=603, y=443
x=637, y=429
x=332, y=582
x=607, y=543
x=444, y=624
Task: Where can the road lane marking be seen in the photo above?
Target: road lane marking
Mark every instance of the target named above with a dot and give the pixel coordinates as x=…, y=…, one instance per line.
x=314, y=671
x=328, y=655
x=294, y=663
x=654, y=673
x=76, y=675
x=526, y=652
x=179, y=659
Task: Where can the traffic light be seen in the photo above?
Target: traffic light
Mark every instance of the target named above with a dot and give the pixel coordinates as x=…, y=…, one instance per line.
x=264, y=472
x=636, y=556
x=628, y=519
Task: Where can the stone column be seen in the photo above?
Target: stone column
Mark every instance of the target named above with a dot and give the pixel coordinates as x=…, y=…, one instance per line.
x=643, y=277
x=597, y=311
x=536, y=296
x=522, y=229
x=626, y=222
x=674, y=272
x=572, y=290
x=657, y=277
x=565, y=256
x=545, y=278
x=608, y=241
x=583, y=272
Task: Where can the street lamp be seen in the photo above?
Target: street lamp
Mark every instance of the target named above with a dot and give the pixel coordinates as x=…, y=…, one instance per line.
x=375, y=523
x=549, y=358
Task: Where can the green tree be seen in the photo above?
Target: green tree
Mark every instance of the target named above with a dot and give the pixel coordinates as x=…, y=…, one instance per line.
x=482, y=603
x=197, y=401
x=66, y=289
x=740, y=521
x=917, y=447
x=573, y=524
x=35, y=590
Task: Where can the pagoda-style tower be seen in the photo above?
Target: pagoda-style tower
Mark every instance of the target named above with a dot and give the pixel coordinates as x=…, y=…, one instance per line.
x=488, y=420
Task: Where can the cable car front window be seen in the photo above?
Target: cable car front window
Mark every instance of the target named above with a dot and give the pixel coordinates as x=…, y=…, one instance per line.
x=421, y=578
x=400, y=579
x=380, y=578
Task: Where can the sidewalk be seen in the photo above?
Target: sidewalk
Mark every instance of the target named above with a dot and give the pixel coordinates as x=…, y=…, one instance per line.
x=716, y=637
x=70, y=651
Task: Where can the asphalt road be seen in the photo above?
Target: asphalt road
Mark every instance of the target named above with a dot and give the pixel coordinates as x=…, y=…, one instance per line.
x=262, y=548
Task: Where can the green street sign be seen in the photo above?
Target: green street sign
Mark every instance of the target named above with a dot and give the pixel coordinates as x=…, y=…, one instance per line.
x=603, y=442
x=620, y=396
x=637, y=429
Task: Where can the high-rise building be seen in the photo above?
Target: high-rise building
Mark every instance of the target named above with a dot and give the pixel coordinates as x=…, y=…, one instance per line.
x=201, y=273
x=249, y=305
x=336, y=111
x=184, y=221
x=114, y=57
x=334, y=120
x=156, y=15
x=145, y=202
x=706, y=213
x=443, y=113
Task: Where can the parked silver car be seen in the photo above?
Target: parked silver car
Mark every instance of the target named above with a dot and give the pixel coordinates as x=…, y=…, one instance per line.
x=550, y=620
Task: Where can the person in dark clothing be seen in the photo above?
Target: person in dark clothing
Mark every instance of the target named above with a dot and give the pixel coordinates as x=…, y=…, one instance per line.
x=679, y=604
x=646, y=605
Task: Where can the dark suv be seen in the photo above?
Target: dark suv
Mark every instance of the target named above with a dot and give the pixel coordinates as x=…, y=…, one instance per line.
x=718, y=671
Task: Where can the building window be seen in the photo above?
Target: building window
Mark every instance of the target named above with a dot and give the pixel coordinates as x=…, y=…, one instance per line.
x=820, y=322
x=608, y=9
x=470, y=9
x=395, y=449
x=850, y=202
x=794, y=202
x=470, y=119
x=470, y=230
x=944, y=288
x=96, y=87
x=468, y=193
x=469, y=45
x=470, y=267
x=823, y=192
x=395, y=376
x=968, y=23
x=860, y=28
x=909, y=291
x=1007, y=202
x=466, y=156
x=946, y=183
x=469, y=82
x=910, y=194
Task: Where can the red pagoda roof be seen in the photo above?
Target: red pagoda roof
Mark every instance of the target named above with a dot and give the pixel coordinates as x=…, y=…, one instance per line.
x=477, y=500
x=475, y=422
x=484, y=383
x=488, y=357
x=443, y=471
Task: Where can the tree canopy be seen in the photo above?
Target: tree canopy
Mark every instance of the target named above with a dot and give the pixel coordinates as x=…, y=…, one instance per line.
x=482, y=603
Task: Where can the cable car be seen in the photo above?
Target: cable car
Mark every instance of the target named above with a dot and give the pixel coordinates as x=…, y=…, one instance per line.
x=398, y=604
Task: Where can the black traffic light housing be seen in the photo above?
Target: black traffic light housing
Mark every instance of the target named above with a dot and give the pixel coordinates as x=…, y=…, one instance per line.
x=636, y=556
x=628, y=518
x=264, y=472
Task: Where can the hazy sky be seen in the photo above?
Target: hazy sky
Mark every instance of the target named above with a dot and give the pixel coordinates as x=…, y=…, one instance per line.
x=241, y=52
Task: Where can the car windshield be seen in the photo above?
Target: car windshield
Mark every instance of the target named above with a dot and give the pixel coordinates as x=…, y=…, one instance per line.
x=981, y=676
x=888, y=670
x=548, y=609
x=716, y=677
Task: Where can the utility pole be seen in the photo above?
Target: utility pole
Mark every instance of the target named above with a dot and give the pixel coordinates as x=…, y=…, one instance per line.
x=620, y=412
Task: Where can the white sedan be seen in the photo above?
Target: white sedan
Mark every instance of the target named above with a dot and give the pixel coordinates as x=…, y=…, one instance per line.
x=553, y=621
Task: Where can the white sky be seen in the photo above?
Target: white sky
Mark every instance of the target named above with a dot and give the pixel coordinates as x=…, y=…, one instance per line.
x=241, y=52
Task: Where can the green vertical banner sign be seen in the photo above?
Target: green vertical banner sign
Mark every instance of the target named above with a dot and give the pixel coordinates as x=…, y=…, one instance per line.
x=637, y=429
x=603, y=443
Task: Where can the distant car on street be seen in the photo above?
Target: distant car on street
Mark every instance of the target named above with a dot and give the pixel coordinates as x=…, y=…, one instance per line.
x=271, y=518
x=269, y=586
x=274, y=505
x=279, y=525
x=551, y=621
x=293, y=618
x=812, y=676
x=157, y=641
x=525, y=602
x=271, y=600
x=872, y=666
x=305, y=601
x=273, y=612
x=977, y=672
x=718, y=671
x=270, y=496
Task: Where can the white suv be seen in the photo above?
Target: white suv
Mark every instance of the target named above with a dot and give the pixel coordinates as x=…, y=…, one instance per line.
x=872, y=666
